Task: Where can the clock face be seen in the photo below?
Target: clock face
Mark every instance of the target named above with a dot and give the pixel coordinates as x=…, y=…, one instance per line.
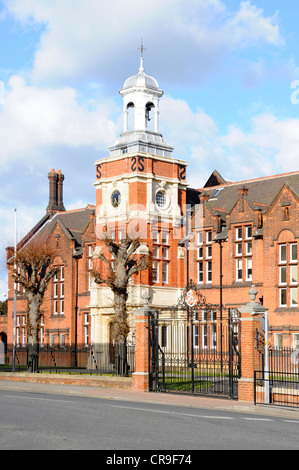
x=115, y=198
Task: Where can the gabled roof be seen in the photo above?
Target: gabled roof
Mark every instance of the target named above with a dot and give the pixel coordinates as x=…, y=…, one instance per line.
x=215, y=180
x=261, y=191
x=73, y=223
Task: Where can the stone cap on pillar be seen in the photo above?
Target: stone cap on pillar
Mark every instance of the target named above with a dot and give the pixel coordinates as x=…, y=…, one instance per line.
x=253, y=307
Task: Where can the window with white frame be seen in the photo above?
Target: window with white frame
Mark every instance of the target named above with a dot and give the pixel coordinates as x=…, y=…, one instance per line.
x=293, y=253
x=155, y=251
x=278, y=340
x=243, y=253
x=294, y=297
x=248, y=269
x=204, y=336
x=90, y=249
x=165, y=252
x=283, y=297
x=208, y=236
x=86, y=329
x=209, y=272
x=204, y=256
x=283, y=253
x=164, y=272
x=239, y=233
x=155, y=236
x=155, y=271
x=295, y=344
x=239, y=270
x=18, y=337
x=58, y=292
x=62, y=341
x=200, y=272
x=42, y=331
x=196, y=335
x=23, y=337
x=213, y=336
x=288, y=275
x=161, y=256
x=165, y=238
x=42, y=337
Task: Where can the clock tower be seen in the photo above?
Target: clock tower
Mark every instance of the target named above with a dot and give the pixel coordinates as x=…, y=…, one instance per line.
x=141, y=191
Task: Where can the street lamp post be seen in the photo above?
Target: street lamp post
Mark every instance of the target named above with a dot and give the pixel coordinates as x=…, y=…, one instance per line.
x=14, y=304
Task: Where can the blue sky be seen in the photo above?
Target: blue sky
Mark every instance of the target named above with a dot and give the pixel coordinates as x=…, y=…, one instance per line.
x=226, y=68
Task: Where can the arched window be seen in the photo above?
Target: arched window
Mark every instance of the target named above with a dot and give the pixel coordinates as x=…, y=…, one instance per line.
x=150, y=116
x=130, y=117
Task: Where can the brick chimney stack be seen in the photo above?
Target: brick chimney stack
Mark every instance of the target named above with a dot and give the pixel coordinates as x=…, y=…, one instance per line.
x=55, y=192
x=60, y=180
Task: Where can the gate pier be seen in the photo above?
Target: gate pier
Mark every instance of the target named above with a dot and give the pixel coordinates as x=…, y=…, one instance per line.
x=251, y=315
x=141, y=374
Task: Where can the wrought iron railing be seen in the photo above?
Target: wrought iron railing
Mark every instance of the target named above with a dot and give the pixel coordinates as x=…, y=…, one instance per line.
x=100, y=359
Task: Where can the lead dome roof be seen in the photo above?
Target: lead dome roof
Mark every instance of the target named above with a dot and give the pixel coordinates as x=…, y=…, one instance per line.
x=141, y=80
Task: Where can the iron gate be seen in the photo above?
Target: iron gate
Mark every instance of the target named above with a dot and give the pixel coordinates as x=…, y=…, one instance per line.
x=194, y=348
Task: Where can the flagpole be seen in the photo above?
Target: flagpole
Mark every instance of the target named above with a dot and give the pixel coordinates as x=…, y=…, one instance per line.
x=14, y=304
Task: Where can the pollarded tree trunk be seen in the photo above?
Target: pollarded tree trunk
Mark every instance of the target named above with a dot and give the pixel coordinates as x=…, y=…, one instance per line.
x=121, y=330
x=121, y=326
x=126, y=264
x=33, y=321
x=34, y=272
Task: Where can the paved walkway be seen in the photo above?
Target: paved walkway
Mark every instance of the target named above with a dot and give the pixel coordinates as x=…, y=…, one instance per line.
x=147, y=397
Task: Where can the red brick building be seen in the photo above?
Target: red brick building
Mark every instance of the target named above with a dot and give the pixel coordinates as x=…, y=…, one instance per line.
x=246, y=233
x=66, y=312
x=249, y=235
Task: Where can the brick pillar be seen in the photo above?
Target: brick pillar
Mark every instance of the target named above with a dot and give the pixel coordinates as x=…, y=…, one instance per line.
x=141, y=374
x=250, y=321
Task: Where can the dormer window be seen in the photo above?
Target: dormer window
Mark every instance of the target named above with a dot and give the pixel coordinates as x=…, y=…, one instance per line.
x=216, y=193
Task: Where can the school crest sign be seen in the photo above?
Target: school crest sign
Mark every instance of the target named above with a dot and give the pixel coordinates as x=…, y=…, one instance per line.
x=191, y=298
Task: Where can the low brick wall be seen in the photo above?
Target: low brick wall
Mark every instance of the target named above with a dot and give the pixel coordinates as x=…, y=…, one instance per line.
x=65, y=379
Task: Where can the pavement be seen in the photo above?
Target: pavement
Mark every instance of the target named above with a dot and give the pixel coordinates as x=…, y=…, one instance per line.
x=112, y=393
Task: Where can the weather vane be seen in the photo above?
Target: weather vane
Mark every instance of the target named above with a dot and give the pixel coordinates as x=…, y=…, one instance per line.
x=142, y=49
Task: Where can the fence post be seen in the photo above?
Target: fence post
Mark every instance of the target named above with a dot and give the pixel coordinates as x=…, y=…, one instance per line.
x=251, y=314
x=141, y=374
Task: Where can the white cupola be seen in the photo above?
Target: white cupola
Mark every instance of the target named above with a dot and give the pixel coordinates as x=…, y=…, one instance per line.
x=141, y=95
x=141, y=98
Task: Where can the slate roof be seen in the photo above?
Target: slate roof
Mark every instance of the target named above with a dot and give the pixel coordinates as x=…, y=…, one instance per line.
x=261, y=192
x=73, y=223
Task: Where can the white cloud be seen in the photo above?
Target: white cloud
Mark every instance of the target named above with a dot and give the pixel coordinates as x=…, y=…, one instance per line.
x=33, y=119
x=249, y=26
x=271, y=145
x=98, y=38
x=275, y=142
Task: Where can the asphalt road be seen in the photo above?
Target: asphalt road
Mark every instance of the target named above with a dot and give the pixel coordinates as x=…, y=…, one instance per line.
x=41, y=421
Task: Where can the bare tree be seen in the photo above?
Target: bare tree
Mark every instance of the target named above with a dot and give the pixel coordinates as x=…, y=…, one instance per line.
x=34, y=272
x=125, y=265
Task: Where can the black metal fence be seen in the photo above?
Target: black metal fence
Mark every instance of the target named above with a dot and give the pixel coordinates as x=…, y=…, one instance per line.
x=197, y=355
x=99, y=359
x=282, y=380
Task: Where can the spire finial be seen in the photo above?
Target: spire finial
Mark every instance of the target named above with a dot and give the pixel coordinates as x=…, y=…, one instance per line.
x=141, y=49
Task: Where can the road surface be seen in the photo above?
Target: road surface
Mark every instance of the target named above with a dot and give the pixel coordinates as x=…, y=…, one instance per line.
x=42, y=421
